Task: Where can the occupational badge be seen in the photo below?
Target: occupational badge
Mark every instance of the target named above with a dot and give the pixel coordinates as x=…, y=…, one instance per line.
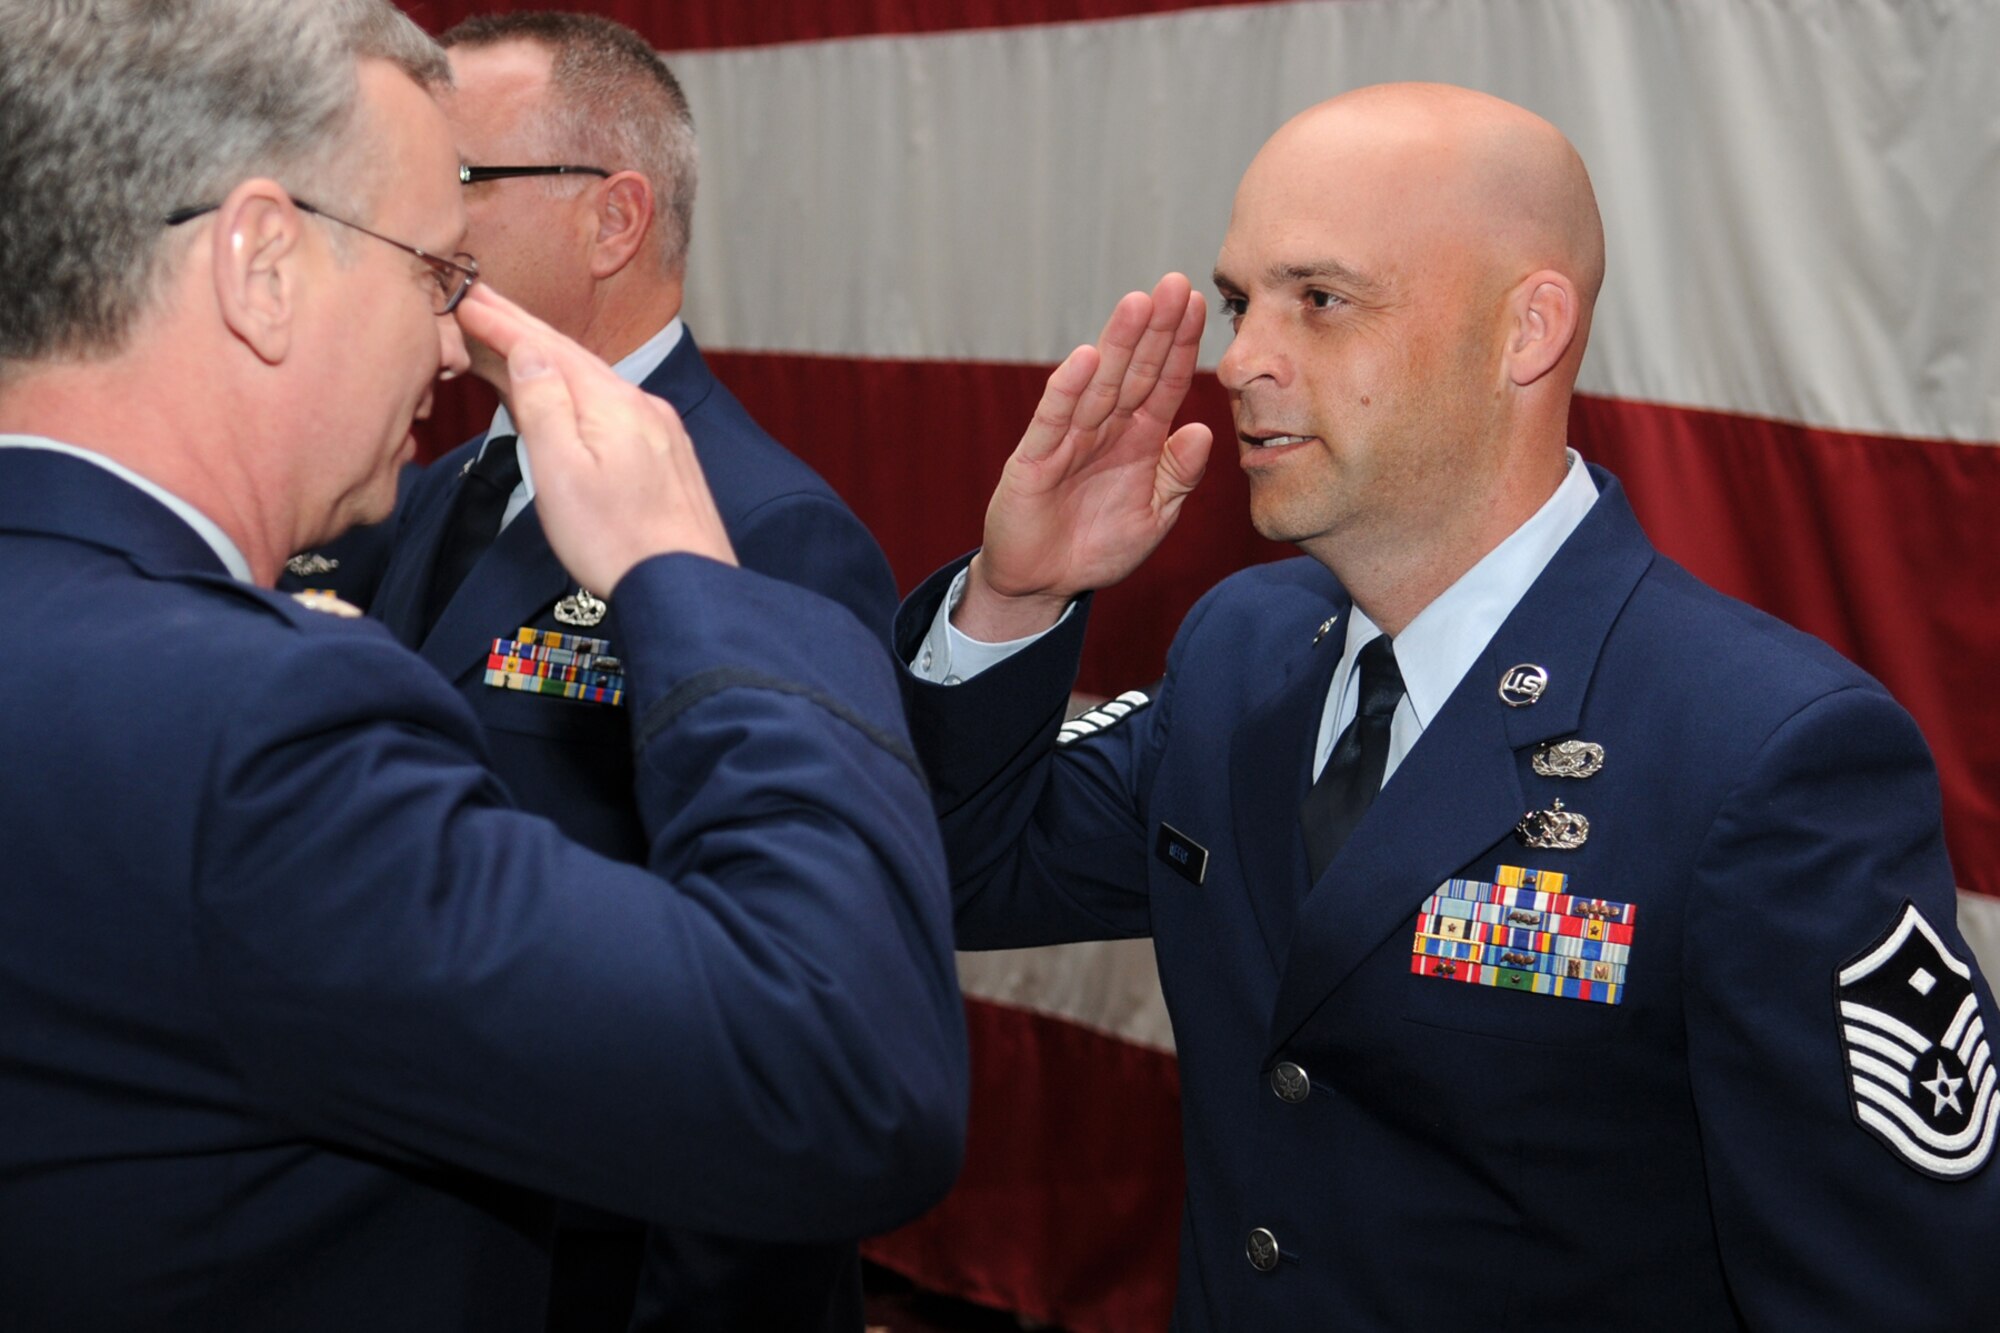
x=308, y=563
x=581, y=609
x=1919, y=1068
x=1568, y=759
x=1554, y=829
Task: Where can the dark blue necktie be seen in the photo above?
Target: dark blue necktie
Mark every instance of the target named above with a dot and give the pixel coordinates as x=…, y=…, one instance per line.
x=475, y=521
x=1353, y=772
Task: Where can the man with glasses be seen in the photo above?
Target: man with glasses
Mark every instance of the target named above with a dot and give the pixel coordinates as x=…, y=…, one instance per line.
x=579, y=168
x=305, y=1024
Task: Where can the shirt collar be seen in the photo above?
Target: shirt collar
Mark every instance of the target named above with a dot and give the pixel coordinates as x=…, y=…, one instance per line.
x=204, y=527
x=644, y=359
x=1436, y=649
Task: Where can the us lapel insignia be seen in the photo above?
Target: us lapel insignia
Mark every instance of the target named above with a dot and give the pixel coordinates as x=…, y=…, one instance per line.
x=1325, y=628
x=1523, y=684
x=1568, y=759
x=568, y=666
x=1554, y=829
x=308, y=563
x=1920, y=1073
x=315, y=599
x=580, y=609
x=1525, y=932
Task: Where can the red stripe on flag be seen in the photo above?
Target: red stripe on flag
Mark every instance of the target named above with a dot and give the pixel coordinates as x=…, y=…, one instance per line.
x=1069, y=1205
x=1886, y=548
x=693, y=27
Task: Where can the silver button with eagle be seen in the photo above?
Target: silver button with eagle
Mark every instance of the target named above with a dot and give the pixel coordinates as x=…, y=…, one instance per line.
x=1289, y=1081
x=1262, y=1250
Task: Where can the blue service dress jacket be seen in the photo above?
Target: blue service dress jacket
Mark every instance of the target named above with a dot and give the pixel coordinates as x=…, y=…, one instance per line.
x=572, y=763
x=1644, y=1075
x=304, y=1022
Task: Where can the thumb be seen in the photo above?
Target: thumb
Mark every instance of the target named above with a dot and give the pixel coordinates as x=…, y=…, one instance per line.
x=1183, y=460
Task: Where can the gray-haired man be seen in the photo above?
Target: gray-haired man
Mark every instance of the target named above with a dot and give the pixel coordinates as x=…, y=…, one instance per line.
x=303, y=1022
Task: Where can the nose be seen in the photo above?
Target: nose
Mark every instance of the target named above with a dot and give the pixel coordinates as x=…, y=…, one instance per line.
x=453, y=359
x=1253, y=354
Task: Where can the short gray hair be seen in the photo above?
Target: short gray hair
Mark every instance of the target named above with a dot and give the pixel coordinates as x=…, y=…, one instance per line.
x=613, y=103
x=113, y=113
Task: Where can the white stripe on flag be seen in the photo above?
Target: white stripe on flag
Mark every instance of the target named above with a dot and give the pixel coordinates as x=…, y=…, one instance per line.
x=1799, y=198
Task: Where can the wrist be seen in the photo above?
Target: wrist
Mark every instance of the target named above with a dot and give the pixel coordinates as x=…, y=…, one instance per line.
x=991, y=616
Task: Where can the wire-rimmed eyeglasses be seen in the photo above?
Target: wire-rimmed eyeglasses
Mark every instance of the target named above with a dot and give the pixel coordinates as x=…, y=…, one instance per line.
x=455, y=276
x=474, y=175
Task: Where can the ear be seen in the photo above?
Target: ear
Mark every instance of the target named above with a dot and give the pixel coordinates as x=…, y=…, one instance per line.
x=1543, y=316
x=256, y=259
x=624, y=223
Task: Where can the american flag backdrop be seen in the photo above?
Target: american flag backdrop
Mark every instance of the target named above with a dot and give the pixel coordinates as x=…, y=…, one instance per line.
x=911, y=209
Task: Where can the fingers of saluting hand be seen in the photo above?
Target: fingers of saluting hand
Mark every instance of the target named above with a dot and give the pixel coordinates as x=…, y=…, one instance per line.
x=1156, y=344
x=1177, y=374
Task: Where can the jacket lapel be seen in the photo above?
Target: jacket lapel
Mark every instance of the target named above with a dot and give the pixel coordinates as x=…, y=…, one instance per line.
x=1270, y=766
x=1458, y=792
x=400, y=600
x=514, y=582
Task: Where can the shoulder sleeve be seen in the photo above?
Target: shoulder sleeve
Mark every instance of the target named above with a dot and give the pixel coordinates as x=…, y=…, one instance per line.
x=408, y=966
x=1044, y=822
x=1829, y=842
x=816, y=542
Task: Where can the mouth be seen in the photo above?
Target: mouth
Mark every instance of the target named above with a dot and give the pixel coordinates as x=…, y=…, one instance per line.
x=1256, y=443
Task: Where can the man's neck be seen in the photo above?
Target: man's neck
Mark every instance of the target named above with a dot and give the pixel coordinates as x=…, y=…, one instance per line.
x=1394, y=568
x=629, y=310
x=126, y=412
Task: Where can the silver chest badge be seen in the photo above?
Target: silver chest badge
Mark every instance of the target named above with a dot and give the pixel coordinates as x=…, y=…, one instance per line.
x=308, y=563
x=581, y=609
x=1568, y=759
x=1554, y=829
x=1523, y=684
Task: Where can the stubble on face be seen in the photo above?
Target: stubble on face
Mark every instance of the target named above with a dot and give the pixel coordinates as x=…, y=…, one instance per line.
x=1399, y=384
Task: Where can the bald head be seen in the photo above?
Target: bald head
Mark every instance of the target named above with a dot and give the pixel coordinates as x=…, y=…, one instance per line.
x=1460, y=167
x=1410, y=271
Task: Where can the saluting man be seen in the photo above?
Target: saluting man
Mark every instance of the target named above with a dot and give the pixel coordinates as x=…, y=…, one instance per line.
x=579, y=170
x=1551, y=941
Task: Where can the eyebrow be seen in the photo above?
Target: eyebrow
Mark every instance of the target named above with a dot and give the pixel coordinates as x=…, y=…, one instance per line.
x=1324, y=270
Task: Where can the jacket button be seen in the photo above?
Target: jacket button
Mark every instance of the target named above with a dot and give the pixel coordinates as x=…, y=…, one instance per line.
x=1289, y=1081
x=1262, y=1250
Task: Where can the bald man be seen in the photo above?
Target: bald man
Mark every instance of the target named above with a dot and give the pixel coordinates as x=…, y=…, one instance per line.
x=1551, y=941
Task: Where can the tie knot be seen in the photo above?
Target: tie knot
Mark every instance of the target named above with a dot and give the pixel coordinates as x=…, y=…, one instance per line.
x=499, y=464
x=1381, y=681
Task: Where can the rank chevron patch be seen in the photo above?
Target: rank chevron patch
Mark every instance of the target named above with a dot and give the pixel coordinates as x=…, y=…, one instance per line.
x=1920, y=1070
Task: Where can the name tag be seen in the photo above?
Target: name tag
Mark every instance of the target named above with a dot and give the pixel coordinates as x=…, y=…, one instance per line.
x=1182, y=854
